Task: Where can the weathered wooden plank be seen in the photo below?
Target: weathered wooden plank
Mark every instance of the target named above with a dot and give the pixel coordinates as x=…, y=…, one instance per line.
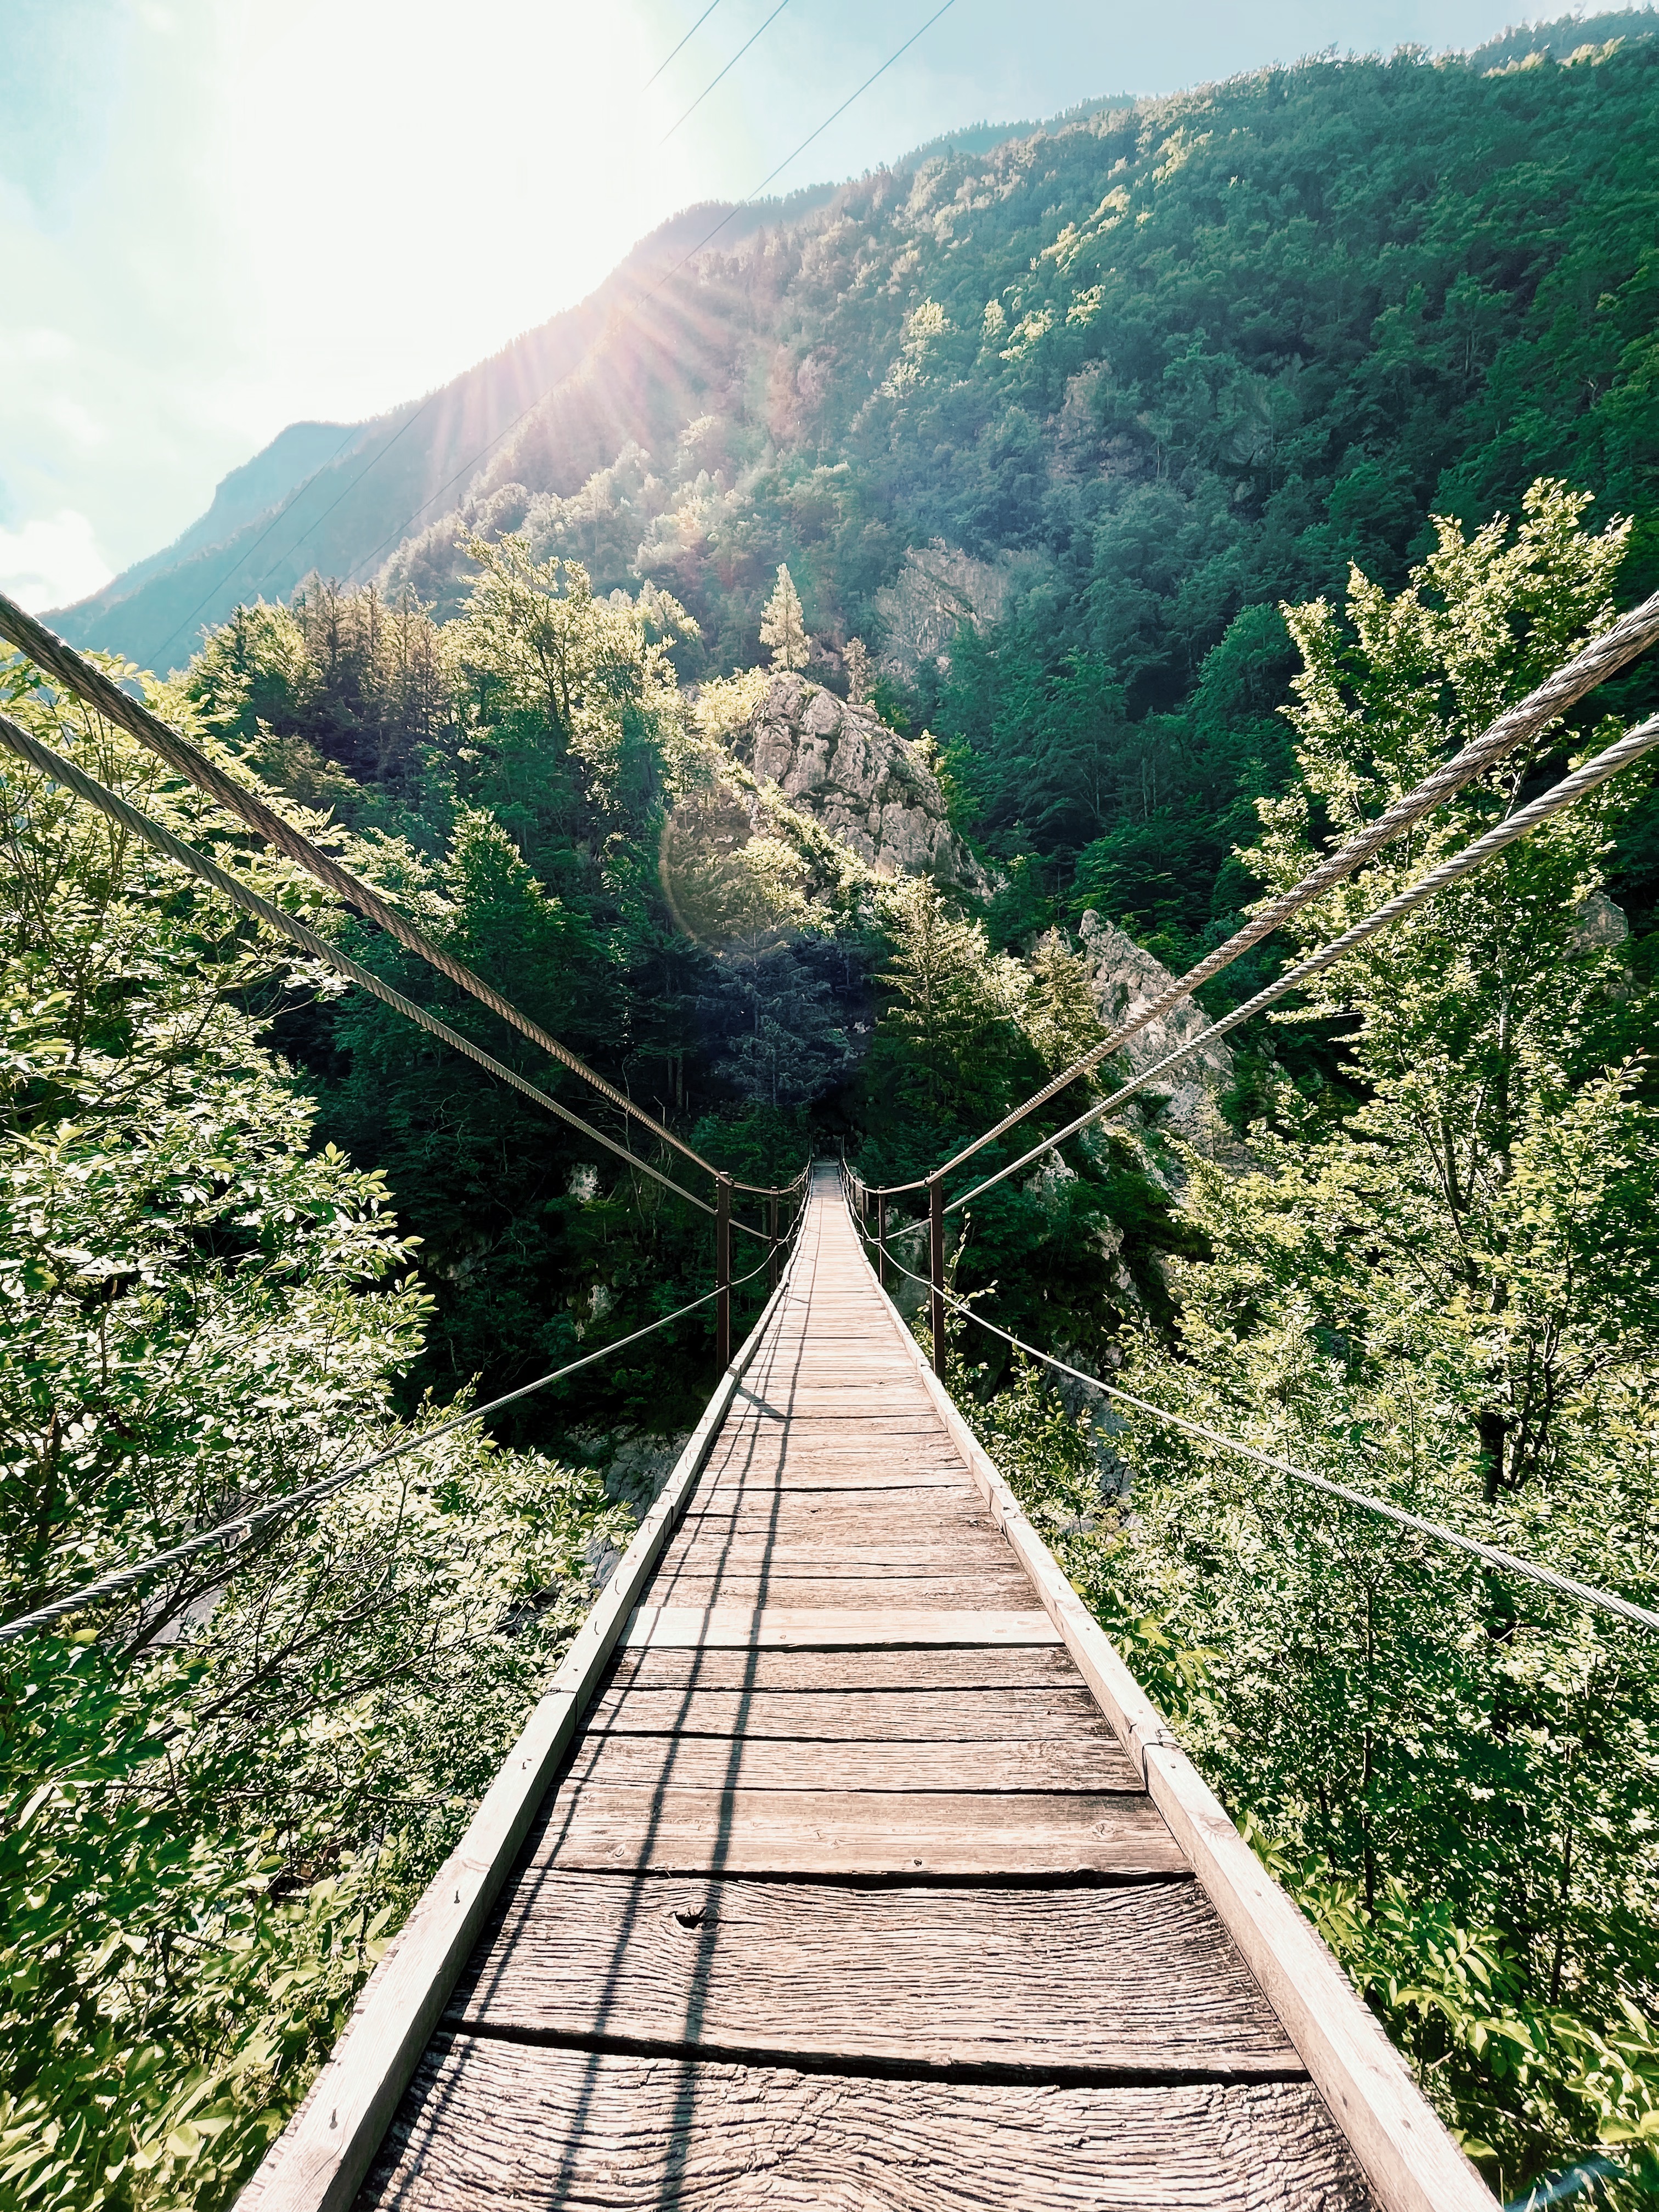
x=1003, y=1591
x=1409, y=2159
x=909, y=1835
x=701, y=1546
x=842, y=1763
x=1139, y=1981
x=814, y=1517
x=489, y=2125
x=822, y=1628
x=932, y=1717
x=1015, y=1666
x=868, y=1477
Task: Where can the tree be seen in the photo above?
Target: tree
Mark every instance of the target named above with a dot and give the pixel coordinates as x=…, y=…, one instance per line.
x=782, y=626
x=950, y=1033
x=1447, y=1291
x=220, y=1791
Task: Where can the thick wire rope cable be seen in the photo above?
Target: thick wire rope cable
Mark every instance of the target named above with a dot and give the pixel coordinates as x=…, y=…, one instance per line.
x=401, y=530
x=61, y=660
x=1565, y=1584
x=724, y=73
x=1600, y=659
x=242, y=1525
x=49, y=764
x=1629, y=748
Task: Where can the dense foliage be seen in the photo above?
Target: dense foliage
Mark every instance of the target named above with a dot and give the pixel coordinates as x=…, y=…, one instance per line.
x=1081, y=433
x=1442, y=1288
x=219, y=1792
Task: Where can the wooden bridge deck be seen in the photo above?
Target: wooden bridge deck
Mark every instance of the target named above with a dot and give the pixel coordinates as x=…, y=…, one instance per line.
x=849, y=1894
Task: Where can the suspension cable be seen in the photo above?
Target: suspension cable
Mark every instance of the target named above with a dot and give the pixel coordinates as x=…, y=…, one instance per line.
x=1631, y=747
x=41, y=756
x=1583, y=1592
x=242, y=1525
x=60, y=659
x=1601, y=658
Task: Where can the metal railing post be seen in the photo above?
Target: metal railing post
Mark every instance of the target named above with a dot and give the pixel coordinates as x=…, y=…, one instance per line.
x=881, y=1241
x=723, y=1271
x=772, y=1231
x=936, y=1268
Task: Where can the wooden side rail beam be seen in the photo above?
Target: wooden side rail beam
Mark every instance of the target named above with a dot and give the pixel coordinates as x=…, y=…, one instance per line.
x=1410, y=2159
x=319, y=2161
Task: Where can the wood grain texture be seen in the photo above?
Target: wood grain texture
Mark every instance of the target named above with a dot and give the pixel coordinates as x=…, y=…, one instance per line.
x=900, y=1835
x=1014, y=1666
x=1121, y=1981
x=490, y=2125
x=871, y=1716
x=844, y=1764
x=822, y=1628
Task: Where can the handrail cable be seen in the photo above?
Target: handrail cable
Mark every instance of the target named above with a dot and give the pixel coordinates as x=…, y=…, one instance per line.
x=1592, y=664
x=61, y=660
x=1631, y=747
x=1584, y=1592
x=41, y=756
x=242, y=1525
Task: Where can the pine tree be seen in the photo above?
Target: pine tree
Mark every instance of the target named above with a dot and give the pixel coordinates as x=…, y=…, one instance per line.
x=782, y=626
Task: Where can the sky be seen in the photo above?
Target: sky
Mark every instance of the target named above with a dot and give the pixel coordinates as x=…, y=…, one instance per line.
x=219, y=216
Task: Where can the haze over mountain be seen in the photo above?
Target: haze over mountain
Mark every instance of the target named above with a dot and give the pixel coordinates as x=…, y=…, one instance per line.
x=798, y=337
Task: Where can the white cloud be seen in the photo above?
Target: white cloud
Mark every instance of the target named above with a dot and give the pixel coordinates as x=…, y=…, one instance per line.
x=50, y=563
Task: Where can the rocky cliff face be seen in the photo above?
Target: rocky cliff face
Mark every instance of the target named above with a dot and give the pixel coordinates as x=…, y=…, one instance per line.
x=1123, y=979
x=863, y=782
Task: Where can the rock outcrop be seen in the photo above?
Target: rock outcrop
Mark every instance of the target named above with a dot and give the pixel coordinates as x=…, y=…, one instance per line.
x=862, y=781
x=1123, y=978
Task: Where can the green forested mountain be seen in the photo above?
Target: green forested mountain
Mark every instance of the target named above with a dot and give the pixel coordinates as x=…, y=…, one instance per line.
x=889, y=639
x=1152, y=369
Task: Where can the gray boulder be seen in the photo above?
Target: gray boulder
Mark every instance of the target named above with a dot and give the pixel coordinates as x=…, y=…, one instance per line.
x=862, y=781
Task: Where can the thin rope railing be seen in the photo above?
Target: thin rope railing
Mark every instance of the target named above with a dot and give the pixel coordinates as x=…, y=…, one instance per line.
x=1585, y=1593
x=60, y=660
x=1600, y=659
x=241, y=1526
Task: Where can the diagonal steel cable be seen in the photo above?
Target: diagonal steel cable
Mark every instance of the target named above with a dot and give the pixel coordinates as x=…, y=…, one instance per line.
x=61, y=660
x=1606, y=765
x=1602, y=657
x=1585, y=1593
x=241, y=1526
x=28, y=748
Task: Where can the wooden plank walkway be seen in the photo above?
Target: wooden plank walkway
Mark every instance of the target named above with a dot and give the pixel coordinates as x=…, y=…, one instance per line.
x=850, y=1889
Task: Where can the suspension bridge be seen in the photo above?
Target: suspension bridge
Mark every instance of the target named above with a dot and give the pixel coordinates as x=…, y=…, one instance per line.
x=843, y=1862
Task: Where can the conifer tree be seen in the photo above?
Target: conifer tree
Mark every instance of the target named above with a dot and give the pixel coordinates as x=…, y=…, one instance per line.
x=782, y=626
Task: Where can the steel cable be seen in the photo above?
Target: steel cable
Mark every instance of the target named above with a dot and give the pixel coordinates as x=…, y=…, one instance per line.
x=1583, y=1592
x=60, y=660
x=1629, y=748
x=242, y=1525
x=1601, y=658
x=41, y=756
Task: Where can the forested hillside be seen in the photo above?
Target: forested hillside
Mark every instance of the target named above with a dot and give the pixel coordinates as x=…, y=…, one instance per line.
x=892, y=640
